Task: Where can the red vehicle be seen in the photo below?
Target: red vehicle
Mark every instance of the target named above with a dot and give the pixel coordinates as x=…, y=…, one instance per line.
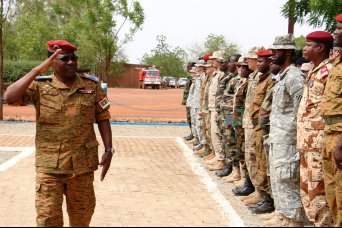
x=149, y=77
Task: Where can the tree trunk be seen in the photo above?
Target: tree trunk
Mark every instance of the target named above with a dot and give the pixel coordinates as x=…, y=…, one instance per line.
x=1, y=60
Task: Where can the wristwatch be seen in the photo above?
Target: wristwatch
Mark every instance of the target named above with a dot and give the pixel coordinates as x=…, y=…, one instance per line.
x=111, y=150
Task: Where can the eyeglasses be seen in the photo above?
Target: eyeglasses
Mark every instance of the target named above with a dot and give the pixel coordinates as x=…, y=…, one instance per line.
x=66, y=59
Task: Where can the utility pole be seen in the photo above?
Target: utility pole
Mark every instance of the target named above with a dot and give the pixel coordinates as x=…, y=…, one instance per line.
x=1, y=59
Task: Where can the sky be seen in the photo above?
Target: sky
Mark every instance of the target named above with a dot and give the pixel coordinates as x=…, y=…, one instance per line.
x=188, y=22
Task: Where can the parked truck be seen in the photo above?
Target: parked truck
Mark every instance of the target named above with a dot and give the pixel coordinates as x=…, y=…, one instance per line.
x=149, y=77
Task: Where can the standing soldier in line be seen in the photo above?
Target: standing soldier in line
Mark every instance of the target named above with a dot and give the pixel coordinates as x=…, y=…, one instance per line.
x=218, y=162
x=264, y=121
x=310, y=129
x=332, y=143
x=185, y=97
x=244, y=186
x=67, y=105
x=248, y=125
x=283, y=156
x=226, y=110
x=265, y=84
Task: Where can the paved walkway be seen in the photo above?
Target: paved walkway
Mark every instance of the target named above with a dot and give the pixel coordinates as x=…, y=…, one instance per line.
x=150, y=183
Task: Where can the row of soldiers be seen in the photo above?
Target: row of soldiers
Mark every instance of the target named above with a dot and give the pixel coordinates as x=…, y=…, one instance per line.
x=273, y=132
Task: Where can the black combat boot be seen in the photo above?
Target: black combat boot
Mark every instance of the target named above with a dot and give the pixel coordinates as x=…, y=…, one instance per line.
x=225, y=172
x=246, y=189
x=188, y=138
x=265, y=206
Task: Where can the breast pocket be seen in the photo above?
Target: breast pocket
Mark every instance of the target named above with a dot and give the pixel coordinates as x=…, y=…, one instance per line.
x=47, y=154
x=50, y=111
x=88, y=108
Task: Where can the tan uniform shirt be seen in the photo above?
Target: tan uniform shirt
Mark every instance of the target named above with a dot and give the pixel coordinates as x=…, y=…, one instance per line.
x=310, y=124
x=212, y=90
x=65, y=137
x=252, y=84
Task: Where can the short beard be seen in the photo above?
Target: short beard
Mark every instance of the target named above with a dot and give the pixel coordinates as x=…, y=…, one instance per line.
x=280, y=60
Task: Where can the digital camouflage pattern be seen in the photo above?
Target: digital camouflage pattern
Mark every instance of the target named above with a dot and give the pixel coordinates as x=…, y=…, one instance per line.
x=332, y=111
x=185, y=97
x=265, y=84
x=65, y=137
x=80, y=196
x=310, y=131
x=283, y=156
x=197, y=105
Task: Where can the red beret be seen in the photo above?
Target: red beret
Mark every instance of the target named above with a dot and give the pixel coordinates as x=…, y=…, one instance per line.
x=320, y=37
x=339, y=18
x=206, y=56
x=53, y=45
x=264, y=53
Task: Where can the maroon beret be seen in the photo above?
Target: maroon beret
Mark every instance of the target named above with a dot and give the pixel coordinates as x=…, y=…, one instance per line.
x=206, y=56
x=264, y=53
x=53, y=45
x=320, y=37
x=339, y=18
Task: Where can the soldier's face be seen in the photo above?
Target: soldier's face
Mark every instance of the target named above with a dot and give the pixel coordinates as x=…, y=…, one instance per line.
x=245, y=71
x=338, y=35
x=311, y=50
x=263, y=64
x=65, y=64
x=251, y=63
x=279, y=56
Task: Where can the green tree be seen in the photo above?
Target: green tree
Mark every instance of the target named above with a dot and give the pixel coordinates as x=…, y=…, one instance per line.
x=300, y=42
x=214, y=43
x=316, y=13
x=170, y=60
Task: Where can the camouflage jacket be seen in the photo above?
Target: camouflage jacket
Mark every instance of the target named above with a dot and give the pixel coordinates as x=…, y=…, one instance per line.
x=239, y=102
x=65, y=137
x=212, y=90
x=310, y=124
x=265, y=84
x=253, y=80
x=332, y=99
x=196, y=99
x=204, y=93
x=287, y=94
x=226, y=101
x=186, y=90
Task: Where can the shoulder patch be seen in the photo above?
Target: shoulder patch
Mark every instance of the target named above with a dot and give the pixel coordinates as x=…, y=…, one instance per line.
x=43, y=77
x=324, y=71
x=91, y=77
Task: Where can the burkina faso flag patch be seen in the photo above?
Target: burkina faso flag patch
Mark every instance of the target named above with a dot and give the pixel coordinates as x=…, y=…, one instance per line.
x=104, y=103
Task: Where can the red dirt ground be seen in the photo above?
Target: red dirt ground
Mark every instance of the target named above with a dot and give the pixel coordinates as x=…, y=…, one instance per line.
x=136, y=105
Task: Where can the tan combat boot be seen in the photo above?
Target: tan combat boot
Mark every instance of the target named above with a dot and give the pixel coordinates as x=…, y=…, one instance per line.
x=211, y=161
x=252, y=195
x=240, y=183
x=209, y=156
x=200, y=151
x=253, y=200
x=234, y=176
x=282, y=221
x=217, y=166
x=268, y=216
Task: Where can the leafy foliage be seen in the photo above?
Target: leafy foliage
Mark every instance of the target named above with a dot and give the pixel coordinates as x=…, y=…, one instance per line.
x=13, y=70
x=317, y=13
x=170, y=60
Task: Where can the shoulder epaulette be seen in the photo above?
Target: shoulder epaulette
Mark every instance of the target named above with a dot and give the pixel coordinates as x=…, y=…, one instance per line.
x=91, y=77
x=43, y=77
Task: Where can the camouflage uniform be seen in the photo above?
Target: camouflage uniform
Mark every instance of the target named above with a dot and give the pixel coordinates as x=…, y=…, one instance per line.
x=66, y=147
x=197, y=106
x=215, y=134
x=248, y=127
x=284, y=157
x=185, y=97
x=205, y=110
x=238, y=110
x=191, y=105
x=265, y=84
x=310, y=131
x=224, y=104
x=332, y=112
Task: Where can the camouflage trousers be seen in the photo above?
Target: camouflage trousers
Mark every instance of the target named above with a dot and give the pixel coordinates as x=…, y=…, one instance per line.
x=228, y=140
x=198, y=126
x=312, y=188
x=215, y=136
x=250, y=157
x=193, y=116
x=261, y=183
x=206, y=128
x=188, y=116
x=240, y=146
x=80, y=199
x=284, y=170
x=332, y=178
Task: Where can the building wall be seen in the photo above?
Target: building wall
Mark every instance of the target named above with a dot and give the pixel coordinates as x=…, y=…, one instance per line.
x=127, y=79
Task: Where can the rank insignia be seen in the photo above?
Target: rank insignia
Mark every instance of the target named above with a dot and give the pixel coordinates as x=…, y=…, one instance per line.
x=104, y=103
x=324, y=71
x=86, y=91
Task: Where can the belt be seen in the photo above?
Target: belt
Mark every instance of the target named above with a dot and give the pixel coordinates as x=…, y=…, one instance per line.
x=333, y=119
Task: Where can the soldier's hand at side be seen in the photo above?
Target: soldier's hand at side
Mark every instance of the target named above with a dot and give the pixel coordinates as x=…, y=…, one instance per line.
x=47, y=63
x=105, y=163
x=337, y=154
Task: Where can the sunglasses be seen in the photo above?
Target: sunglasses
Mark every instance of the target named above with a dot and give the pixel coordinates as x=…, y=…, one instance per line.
x=66, y=59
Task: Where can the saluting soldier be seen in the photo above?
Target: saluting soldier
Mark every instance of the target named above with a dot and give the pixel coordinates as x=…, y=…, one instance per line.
x=332, y=143
x=67, y=105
